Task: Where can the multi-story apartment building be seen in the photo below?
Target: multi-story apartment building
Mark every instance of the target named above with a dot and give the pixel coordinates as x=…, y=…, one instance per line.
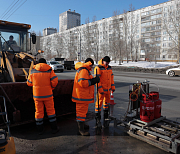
x=49, y=31
x=69, y=19
x=150, y=33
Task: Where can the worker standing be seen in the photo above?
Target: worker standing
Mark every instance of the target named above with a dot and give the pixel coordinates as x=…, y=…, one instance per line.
x=105, y=86
x=44, y=80
x=83, y=92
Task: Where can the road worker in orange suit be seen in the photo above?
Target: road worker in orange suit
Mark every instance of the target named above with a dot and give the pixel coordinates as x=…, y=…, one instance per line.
x=83, y=92
x=105, y=86
x=44, y=80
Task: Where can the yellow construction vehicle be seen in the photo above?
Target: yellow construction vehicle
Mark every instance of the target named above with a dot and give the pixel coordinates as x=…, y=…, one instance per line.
x=15, y=60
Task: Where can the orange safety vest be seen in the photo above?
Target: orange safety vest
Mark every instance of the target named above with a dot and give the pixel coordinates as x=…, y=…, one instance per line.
x=105, y=73
x=83, y=91
x=44, y=80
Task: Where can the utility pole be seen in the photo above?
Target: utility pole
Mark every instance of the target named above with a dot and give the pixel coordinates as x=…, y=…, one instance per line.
x=178, y=46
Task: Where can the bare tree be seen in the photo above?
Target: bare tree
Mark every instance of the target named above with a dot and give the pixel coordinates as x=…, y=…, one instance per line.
x=133, y=29
x=116, y=36
x=104, y=48
x=59, y=44
x=95, y=40
x=39, y=33
x=46, y=47
x=171, y=20
x=87, y=39
x=73, y=50
x=126, y=37
x=137, y=46
x=154, y=51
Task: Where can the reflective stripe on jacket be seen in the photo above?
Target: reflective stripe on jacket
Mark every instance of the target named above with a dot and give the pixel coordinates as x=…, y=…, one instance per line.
x=44, y=80
x=105, y=73
x=83, y=91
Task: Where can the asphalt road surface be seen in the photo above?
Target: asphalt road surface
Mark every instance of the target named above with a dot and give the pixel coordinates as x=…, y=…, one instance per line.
x=112, y=140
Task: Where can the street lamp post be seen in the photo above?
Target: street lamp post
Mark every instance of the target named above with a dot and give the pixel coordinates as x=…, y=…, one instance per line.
x=80, y=47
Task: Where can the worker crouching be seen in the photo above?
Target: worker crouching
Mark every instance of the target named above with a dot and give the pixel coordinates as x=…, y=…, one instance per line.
x=44, y=80
x=83, y=92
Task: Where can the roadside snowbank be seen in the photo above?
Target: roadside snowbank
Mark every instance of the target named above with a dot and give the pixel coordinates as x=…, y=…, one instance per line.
x=142, y=64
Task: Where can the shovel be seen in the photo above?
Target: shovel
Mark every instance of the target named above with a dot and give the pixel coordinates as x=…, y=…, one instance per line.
x=99, y=126
x=16, y=113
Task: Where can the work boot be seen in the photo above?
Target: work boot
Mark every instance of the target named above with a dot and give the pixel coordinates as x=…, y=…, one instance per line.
x=106, y=114
x=96, y=117
x=86, y=126
x=54, y=127
x=81, y=129
x=40, y=129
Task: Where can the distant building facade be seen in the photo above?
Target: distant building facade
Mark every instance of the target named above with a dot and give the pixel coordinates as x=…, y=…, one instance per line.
x=142, y=34
x=69, y=19
x=49, y=31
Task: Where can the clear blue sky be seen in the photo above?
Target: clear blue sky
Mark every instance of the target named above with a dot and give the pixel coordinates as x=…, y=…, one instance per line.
x=45, y=13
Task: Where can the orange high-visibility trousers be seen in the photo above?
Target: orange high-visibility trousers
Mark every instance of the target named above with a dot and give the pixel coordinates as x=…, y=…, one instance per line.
x=103, y=99
x=81, y=111
x=39, y=105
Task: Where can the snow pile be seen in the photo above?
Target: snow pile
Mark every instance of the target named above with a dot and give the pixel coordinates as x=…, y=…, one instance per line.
x=145, y=64
x=142, y=64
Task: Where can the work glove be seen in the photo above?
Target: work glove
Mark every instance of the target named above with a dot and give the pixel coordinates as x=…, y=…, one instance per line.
x=94, y=80
x=113, y=90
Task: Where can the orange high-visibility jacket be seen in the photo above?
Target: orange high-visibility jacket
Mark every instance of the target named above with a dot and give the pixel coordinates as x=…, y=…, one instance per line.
x=105, y=73
x=44, y=80
x=83, y=91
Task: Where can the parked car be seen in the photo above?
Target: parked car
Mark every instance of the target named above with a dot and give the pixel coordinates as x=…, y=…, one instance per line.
x=173, y=71
x=56, y=66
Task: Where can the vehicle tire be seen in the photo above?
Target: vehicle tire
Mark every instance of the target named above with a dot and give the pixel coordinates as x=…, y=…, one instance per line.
x=68, y=68
x=171, y=73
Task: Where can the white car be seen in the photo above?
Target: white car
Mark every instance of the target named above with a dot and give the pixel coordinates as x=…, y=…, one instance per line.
x=173, y=71
x=56, y=66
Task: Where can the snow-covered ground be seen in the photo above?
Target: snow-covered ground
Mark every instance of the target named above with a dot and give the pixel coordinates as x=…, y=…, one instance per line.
x=143, y=64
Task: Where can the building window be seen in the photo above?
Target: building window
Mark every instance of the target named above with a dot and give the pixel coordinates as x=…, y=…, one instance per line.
x=158, y=38
x=153, y=22
x=147, y=40
x=153, y=28
x=169, y=56
x=142, y=56
x=164, y=38
x=164, y=56
x=170, y=26
x=142, y=51
x=164, y=33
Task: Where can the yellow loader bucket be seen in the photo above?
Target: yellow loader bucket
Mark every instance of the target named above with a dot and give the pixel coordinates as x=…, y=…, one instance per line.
x=7, y=146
